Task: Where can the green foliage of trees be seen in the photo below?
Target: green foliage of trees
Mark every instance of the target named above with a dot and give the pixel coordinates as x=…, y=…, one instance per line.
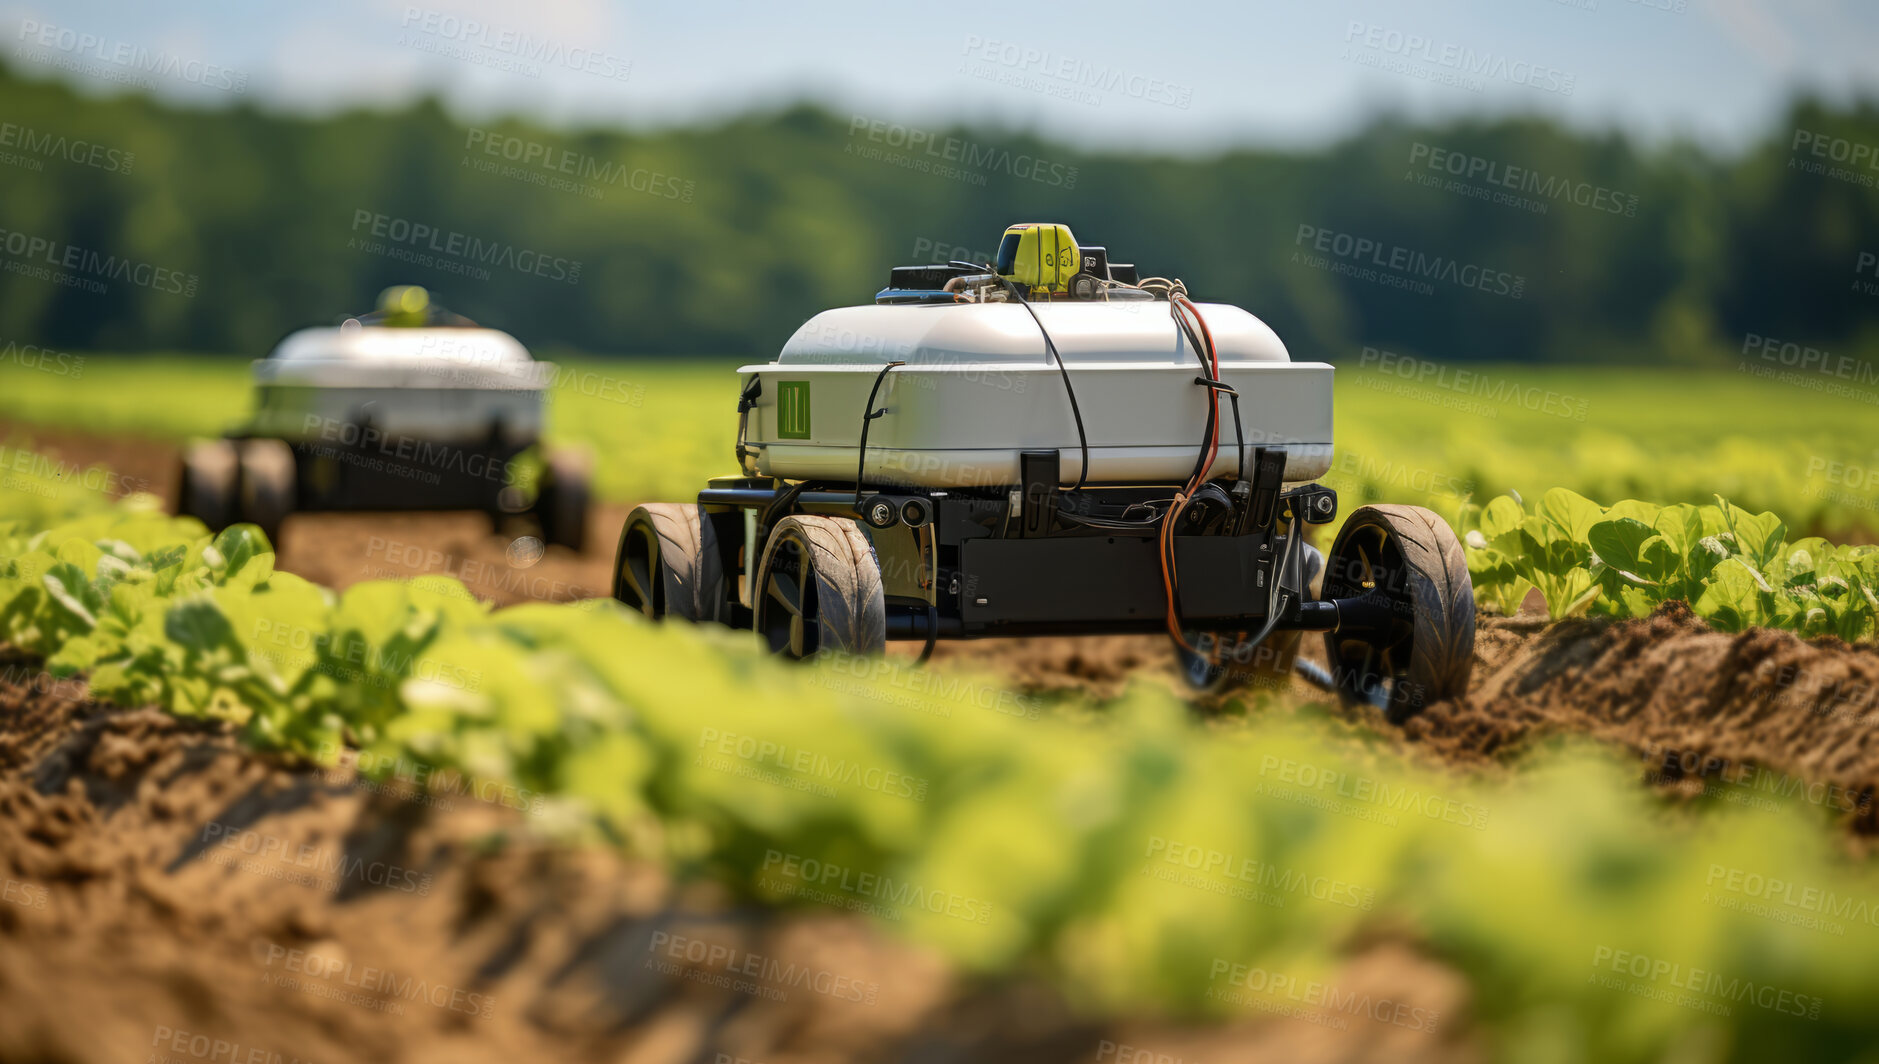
x=722, y=239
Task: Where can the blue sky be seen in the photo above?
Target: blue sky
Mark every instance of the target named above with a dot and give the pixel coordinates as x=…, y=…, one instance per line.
x=1186, y=77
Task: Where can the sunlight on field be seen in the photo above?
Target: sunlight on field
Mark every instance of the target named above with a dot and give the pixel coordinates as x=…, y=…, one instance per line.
x=166, y=396
x=1405, y=433
x=1664, y=436
x=658, y=429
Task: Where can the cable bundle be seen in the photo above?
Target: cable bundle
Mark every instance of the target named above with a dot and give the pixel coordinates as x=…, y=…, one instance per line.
x=1188, y=317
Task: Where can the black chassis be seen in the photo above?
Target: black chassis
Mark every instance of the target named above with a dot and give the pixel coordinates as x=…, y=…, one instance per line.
x=1038, y=559
x=362, y=470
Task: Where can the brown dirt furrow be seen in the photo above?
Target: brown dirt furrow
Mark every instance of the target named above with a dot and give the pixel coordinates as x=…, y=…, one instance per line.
x=1096, y=666
x=138, y=464
x=166, y=894
x=1754, y=715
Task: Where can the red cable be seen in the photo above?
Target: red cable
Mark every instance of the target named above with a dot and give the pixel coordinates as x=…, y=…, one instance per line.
x=1210, y=360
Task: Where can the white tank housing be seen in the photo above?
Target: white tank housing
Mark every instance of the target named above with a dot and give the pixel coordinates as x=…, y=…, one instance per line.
x=979, y=387
x=441, y=383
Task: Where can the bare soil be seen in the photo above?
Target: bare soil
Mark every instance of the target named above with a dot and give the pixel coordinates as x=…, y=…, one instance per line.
x=166, y=895
x=1750, y=717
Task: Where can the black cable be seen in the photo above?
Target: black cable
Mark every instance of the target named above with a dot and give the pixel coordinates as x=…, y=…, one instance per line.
x=1201, y=352
x=781, y=505
x=932, y=633
x=1083, y=439
x=1112, y=524
x=1209, y=358
x=753, y=390
x=868, y=414
x=1239, y=435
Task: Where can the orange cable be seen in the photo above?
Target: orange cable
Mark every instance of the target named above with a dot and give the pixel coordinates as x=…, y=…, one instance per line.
x=1210, y=361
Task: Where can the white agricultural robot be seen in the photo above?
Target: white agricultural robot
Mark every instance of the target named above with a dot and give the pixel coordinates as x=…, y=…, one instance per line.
x=410, y=407
x=1048, y=445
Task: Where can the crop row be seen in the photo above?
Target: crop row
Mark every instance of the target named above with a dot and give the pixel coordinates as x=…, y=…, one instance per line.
x=1735, y=569
x=1147, y=863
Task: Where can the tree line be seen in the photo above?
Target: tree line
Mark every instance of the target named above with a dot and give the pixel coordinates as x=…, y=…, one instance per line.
x=129, y=224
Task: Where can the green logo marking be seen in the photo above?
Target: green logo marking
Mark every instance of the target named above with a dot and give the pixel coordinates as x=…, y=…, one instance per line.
x=792, y=410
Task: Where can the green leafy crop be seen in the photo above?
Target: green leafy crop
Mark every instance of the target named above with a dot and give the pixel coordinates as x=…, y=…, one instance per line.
x=1735, y=569
x=1147, y=864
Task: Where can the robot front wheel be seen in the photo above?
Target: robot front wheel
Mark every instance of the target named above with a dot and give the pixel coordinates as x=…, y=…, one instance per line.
x=561, y=503
x=226, y=482
x=1408, y=560
x=817, y=590
x=1408, y=606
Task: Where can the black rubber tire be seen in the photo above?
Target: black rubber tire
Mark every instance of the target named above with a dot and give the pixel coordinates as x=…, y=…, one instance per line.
x=206, y=489
x=1416, y=560
x=837, y=580
x=667, y=563
x=267, y=485
x=561, y=504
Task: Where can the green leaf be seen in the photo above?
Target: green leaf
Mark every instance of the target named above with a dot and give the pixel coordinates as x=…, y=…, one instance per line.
x=1634, y=549
x=165, y=558
x=1681, y=526
x=80, y=553
x=1569, y=594
x=1709, y=552
x=79, y=654
x=245, y=559
x=1572, y=515
x=1795, y=562
x=376, y=609
x=1758, y=536
x=198, y=625
x=280, y=628
x=1501, y=516
x=69, y=588
x=1733, y=599
x=1641, y=511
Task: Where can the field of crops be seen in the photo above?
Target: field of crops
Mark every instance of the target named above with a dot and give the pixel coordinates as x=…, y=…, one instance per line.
x=1276, y=867
x=1408, y=431
x=1200, y=861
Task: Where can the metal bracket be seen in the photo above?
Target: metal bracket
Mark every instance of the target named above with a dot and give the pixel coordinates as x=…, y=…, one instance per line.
x=1038, y=477
x=746, y=399
x=1268, y=481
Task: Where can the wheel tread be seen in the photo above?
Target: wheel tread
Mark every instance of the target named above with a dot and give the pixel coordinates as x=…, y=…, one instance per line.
x=687, y=562
x=1442, y=650
x=851, y=608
